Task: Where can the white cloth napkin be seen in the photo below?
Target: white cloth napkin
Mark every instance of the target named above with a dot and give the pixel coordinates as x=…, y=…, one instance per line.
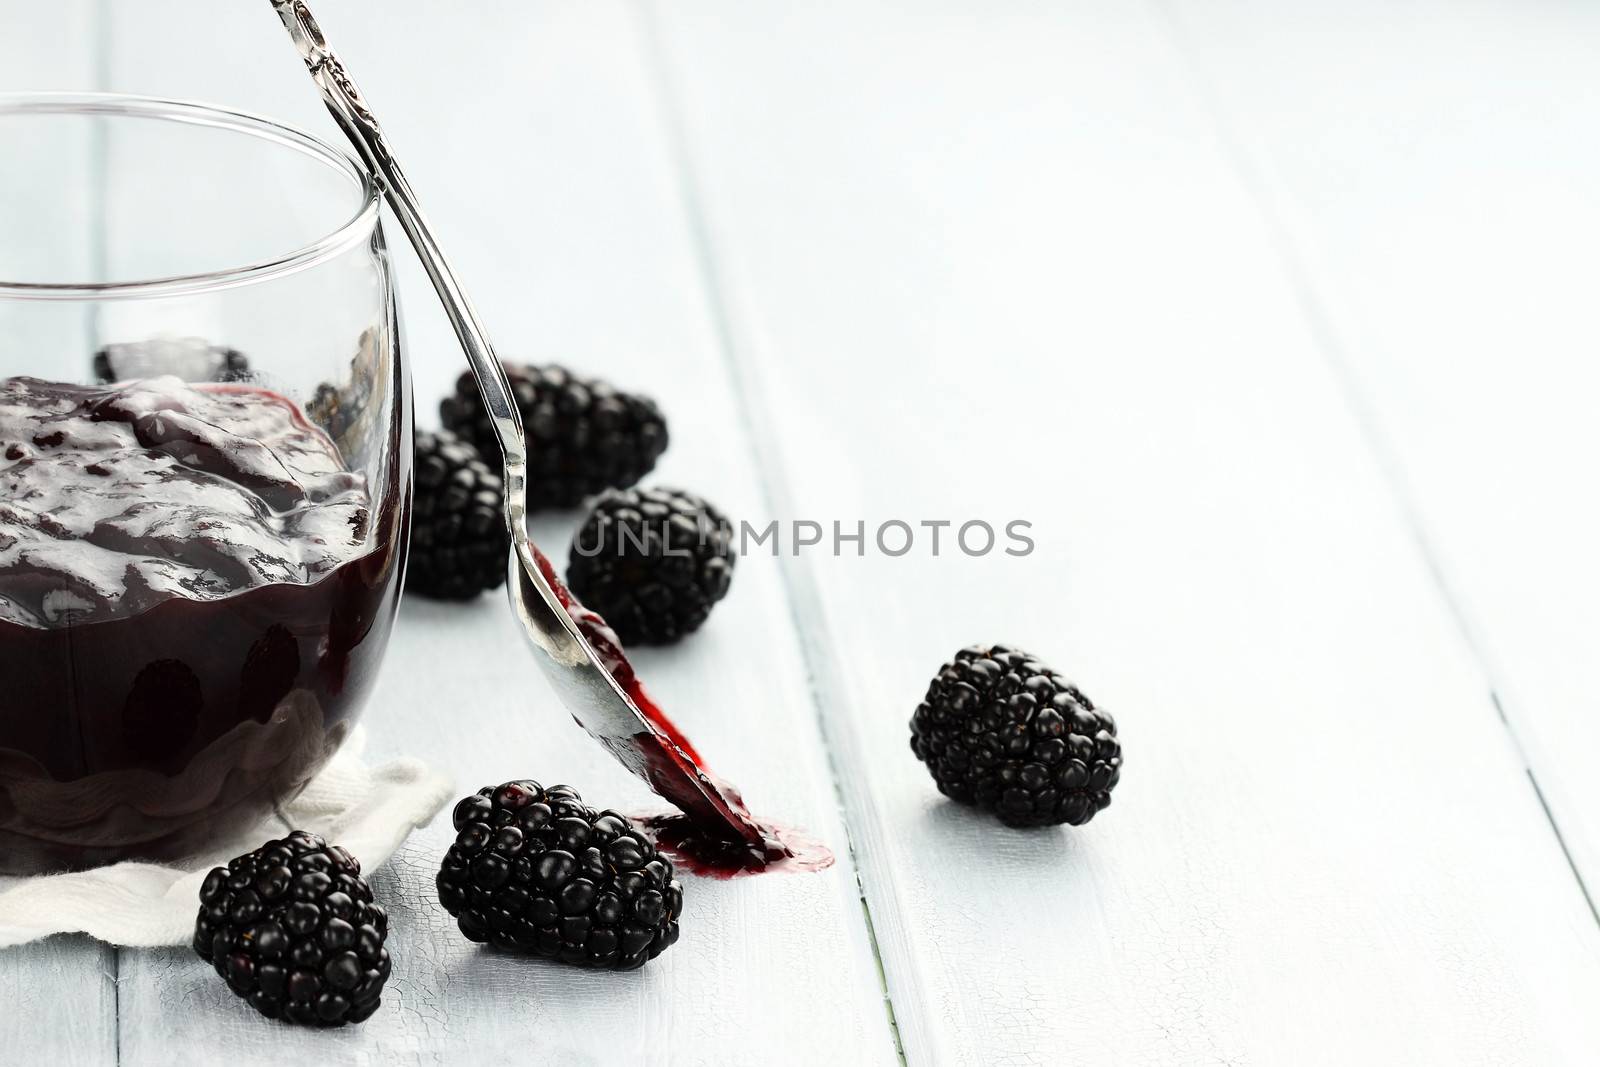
x=368, y=810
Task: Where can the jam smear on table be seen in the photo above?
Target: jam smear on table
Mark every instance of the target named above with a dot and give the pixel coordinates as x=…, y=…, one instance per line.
x=194, y=595
x=713, y=833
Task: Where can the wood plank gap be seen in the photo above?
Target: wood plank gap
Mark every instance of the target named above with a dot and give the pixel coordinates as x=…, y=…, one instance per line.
x=1561, y=840
x=116, y=1004
x=800, y=587
x=1317, y=305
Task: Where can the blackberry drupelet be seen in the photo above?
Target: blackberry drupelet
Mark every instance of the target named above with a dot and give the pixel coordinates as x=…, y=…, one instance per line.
x=190, y=358
x=293, y=929
x=537, y=871
x=1003, y=732
x=652, y=562
x=584, y=435
x=459, y=541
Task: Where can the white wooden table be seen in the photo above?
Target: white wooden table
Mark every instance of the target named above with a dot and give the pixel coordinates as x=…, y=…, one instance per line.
x=1274, y=318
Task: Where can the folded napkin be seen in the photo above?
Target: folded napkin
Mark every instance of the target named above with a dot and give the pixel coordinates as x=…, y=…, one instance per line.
x=368, y=810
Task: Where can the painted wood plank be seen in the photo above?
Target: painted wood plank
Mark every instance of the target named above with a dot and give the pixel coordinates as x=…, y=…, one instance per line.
x=995, y=266
x=60, y=994
x=1442, y=207
x=528, y=132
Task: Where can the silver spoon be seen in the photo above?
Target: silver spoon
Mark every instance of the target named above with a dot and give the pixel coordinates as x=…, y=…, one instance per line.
x=575, y=669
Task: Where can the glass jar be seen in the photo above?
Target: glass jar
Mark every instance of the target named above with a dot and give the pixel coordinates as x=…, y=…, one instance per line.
x=205, y=441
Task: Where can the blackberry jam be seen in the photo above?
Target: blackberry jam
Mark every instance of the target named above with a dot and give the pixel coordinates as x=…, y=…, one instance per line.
x=195, y=591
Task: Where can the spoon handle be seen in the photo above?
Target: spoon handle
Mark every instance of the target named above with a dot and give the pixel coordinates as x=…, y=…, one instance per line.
x=350, y=111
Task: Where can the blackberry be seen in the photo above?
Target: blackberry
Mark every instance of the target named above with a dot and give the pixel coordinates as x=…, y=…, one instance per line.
x=293, y=929
x=191, y=358
x=537, y=871
x=459, y=541
x=331, y=408
x=345, y=410
x=1003, y=732
x=584, y=435
x=652, y=561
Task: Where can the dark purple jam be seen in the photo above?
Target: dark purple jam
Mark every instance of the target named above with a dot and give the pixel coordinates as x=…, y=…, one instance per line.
x=195, y=592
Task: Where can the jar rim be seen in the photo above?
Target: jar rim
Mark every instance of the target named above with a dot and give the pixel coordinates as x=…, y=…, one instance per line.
x=356, y=228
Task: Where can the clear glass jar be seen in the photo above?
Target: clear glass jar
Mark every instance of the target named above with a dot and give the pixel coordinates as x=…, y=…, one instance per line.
x=205, y=441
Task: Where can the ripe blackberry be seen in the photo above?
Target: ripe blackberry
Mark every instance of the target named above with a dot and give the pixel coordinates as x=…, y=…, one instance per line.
x=331, y=408
x=191, y=358
x=1001, y=731
x=652, y=561
x=293, y=929
x=535, y=870
x=459, y=542
x=345, y=409
x=584, y=435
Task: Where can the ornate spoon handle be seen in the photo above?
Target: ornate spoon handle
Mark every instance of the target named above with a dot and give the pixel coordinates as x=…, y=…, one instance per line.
x=349, y=109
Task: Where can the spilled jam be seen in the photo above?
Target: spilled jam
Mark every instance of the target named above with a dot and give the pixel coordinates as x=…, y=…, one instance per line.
x=714, y=833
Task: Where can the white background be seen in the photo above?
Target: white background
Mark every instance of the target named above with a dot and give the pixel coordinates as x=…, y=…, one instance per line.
x=1276, y=320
